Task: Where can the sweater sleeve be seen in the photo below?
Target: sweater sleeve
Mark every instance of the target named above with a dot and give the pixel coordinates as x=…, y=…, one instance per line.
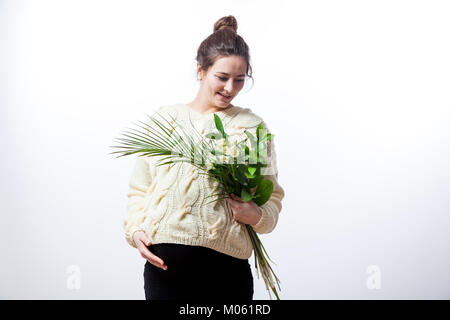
x=138, y=186
x=272, y=208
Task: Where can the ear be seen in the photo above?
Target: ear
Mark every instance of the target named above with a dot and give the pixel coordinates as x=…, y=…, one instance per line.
x=200, y=71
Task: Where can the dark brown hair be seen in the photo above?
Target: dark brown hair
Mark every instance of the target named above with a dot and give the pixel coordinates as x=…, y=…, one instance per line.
x=224, y=41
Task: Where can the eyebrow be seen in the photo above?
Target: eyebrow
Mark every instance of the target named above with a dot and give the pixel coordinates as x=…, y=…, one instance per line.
x=241, y=75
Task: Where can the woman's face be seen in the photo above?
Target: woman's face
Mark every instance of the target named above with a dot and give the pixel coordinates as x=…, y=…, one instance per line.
x=225, y=77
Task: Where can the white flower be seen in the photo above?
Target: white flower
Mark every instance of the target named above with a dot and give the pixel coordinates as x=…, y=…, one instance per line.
x=232, y=151
x=220, y=145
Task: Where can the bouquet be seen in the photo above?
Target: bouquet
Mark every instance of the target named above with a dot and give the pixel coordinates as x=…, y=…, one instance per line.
x=238, y=166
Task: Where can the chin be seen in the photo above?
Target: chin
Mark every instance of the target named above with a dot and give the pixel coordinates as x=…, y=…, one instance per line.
x=223, y=103
x=220, y=102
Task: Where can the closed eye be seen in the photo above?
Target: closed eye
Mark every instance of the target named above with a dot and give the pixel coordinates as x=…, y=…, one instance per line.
x=225, y=79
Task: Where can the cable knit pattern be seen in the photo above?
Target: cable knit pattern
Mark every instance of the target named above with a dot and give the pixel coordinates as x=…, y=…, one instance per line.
x=169, y=202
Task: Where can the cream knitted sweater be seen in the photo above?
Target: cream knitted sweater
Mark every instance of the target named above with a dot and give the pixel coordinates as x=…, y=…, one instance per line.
x=168, y=203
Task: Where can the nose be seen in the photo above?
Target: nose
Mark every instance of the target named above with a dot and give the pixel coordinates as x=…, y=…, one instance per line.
x=229, y=86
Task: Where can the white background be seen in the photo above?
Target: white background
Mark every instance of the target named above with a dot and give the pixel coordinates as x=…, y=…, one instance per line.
x=356, y=92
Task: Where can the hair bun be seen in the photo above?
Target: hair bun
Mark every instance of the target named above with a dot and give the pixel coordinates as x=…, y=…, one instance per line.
x=226, y=23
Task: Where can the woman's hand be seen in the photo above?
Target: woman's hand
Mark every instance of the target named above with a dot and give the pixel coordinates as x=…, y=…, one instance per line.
x=244, y=212
x=142, y=242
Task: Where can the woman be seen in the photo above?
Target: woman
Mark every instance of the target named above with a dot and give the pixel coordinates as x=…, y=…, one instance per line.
x=196, y=250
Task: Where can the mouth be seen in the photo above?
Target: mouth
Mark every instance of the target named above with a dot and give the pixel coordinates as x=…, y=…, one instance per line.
x=224, y=97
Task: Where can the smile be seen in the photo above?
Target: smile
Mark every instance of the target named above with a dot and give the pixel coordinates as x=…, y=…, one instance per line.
x=224, y=97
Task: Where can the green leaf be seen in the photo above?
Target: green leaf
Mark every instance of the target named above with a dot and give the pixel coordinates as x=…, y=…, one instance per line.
x=219, y=125
x=240, y=175
x=256, y=180
x=246, y=195
x=247, y=152
x=267, y=137
x=249, y=176
x=263, y=192
x=258, y=133
x=214, y=135
x=251, y=170
x=253, y=156
x=251, y=138
x=242, y=168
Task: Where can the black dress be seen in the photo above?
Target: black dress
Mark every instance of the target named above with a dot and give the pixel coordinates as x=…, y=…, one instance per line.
x=197, y=273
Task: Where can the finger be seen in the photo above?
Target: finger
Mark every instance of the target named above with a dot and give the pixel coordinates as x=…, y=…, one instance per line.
x=235, y=197
x=153, y=259
x=232, y=202
x=150, y=256
x=236, y=204
x=146, y=240
x=164, y=267
x=143, y=239
x=147, y=254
